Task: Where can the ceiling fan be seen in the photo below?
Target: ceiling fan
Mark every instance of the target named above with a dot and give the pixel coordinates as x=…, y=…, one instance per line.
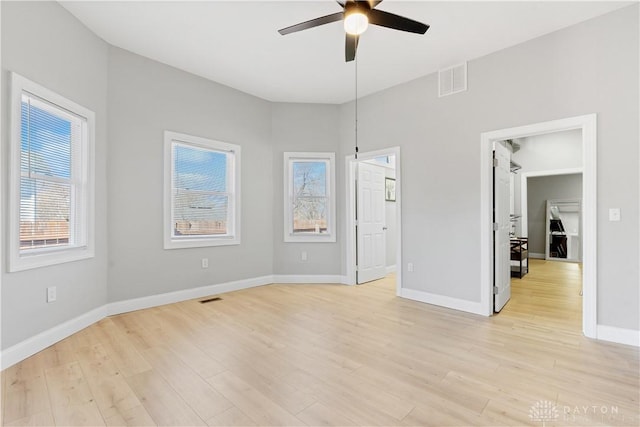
x=357, y=15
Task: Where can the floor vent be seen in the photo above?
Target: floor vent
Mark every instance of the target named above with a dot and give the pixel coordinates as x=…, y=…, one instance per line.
x=204, y=301
x=452, y=80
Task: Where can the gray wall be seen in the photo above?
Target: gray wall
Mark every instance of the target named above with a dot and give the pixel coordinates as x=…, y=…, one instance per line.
x=568, y=73
x=46, y=44
x=146, y=98
x=303, y=127
x=553, y=151
x=539, y=190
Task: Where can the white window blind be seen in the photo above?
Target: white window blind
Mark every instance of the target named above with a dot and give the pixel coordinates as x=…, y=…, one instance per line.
x=48, y=137
x=52, y=180
x=202, y=201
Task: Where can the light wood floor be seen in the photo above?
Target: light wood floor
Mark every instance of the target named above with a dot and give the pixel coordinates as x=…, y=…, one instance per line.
x=334, y=355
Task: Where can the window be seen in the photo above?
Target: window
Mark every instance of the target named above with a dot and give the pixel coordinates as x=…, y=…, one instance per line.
x=51, y=178
x=202, y=192
x=309, y=211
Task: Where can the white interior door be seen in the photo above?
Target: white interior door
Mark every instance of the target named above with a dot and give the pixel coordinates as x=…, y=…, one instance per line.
x=501, y=241
x=370, y=212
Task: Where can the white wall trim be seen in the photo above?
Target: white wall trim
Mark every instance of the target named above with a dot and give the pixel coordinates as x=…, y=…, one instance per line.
x=330, y=160
x=524, y=188
x=309, y=278
x=36, y=343
x=588, y=125
x=618, y=335
x=186, y=294
x=391, y=269
x=443, y=301
x=233, y=154
x=81, y=182
x=350, y=231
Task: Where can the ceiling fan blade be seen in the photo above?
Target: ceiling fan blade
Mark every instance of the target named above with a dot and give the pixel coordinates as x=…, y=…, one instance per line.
x=373, y=3
x=341, y=2
x=350, y=47
x=397, y=22
x=313, y=23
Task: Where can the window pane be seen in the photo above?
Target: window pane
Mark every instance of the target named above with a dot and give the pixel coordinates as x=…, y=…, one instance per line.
x=45, y=140
x=44, y=213
x=199, y=169
x=202, y=198
x=197, y=174
x=199, y=214
x=310, y=214
x=309, y=179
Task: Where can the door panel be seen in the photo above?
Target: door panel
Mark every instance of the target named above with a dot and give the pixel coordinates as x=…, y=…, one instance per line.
x=371, y=223
x=501, y=240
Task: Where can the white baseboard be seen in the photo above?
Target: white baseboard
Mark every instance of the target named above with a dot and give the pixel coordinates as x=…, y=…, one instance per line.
x=391, y=269
x=32, y=345
x=186, y=294
x=36, y=343
x=309, y=278
x=618, y=335
x=39, y=342
x=443, y=301
x=536, y=256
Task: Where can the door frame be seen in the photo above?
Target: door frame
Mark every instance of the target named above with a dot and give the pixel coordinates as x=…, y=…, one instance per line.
x=588, y=125
x=350, y=212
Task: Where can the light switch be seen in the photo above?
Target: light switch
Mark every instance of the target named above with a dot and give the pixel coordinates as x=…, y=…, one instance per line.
x=614, y=214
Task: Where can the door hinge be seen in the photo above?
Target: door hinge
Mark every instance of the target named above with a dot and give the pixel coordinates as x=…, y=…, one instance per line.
x=495, y=162
x=495, y=290
x=495, y=226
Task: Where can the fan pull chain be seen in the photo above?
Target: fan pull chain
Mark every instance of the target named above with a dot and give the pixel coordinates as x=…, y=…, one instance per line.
x=356, y=67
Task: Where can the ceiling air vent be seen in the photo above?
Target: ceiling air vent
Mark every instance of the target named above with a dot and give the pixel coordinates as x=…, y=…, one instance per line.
x=452, y=80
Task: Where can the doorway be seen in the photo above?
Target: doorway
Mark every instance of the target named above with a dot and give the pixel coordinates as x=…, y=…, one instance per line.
x=540, y=251
x=587, y=125
x=391, y=197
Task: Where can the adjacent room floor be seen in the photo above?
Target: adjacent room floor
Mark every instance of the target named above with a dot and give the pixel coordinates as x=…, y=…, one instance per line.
x=334, y=355
x=549, y=294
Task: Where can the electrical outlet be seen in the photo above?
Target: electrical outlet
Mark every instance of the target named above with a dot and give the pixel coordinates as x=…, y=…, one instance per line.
x=303, y=255
x=51, y=294
x=410, y=267
x=614, y=214
x=205, y=262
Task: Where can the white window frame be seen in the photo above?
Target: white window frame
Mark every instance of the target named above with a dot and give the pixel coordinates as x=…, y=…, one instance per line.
x=233, y=179
x=289, y=159
x=82, y=226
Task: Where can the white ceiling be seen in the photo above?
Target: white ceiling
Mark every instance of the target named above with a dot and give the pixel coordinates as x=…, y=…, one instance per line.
x=236, y=43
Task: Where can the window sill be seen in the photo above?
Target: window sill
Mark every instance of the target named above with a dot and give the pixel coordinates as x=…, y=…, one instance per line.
x=310, y=238
x=45, y=259
x=201, y=242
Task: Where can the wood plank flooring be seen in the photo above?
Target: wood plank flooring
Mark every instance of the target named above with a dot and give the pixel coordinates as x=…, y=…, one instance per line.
x=335, y=355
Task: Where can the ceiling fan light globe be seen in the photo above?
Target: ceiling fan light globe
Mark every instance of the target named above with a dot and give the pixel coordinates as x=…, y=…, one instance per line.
x=356, y=23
